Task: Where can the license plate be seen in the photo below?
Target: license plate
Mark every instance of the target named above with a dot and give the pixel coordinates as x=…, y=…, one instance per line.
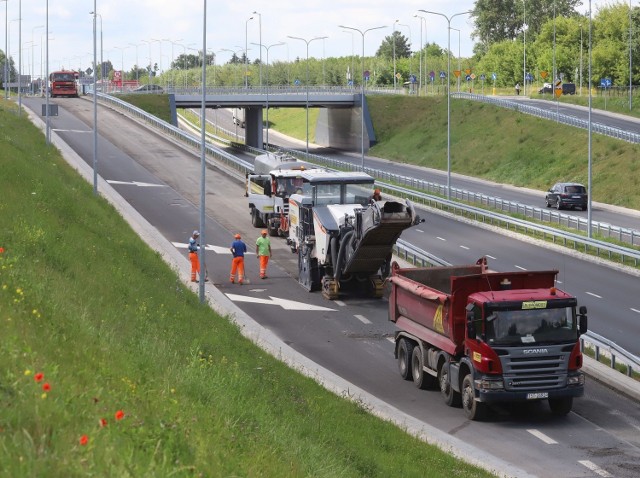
x=576, y=197
x=534, y=396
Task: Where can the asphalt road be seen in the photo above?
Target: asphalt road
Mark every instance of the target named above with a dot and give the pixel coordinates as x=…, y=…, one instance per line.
x=352, y=336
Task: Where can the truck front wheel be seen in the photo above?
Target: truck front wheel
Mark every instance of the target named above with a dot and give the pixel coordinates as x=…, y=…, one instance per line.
x=472, y=409
x=561, y=406
x=421, y=379
x=450, y=396
x=405, y=351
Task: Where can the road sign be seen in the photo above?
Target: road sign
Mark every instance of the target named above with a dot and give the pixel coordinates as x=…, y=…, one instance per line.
x=468, y=77
x=544, y=74
x=605, y=82
x=473, y=76
x=457, y=73
x=483, y=77
x=398, y=75
x=366, y=74
x=494, y=76
x=443, y=74
x=529, y=77
x=413, y=78
x=296, y=82
x=432, y=74
x=468, y=71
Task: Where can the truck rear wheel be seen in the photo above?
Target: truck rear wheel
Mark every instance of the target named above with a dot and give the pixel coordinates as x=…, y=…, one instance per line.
x=405, y=351
x=561, y=406
x=421, y=379
x=450, y=396
x=472, y=409
x=256, y=220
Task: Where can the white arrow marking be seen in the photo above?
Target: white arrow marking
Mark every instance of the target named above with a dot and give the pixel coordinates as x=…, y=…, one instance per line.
x=284, y=303
x=135, y=183
x=216, y=249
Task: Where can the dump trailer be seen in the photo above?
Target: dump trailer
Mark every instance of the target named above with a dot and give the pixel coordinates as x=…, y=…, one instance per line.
x=274, y=178
x=341, y=236
x=488, y=337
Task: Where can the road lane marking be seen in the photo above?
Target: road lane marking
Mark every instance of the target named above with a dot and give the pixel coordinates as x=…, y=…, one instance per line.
x=284, y=303
x=209, y=247
x=464, y=247
x=419, y=230
x=72, y=130
x=594, y=295
x=362, y=319
x=595, y=468
x=391, y=339
x=542, y=436
x=136, y=183
x=635, y=310
x=490, y=257
x=340, y=303
x=519, y=267
x=441, y=238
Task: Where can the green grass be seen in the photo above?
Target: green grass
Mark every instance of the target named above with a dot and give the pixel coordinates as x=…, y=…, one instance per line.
x=157, y=105
x=293, y=122
x=85, y=302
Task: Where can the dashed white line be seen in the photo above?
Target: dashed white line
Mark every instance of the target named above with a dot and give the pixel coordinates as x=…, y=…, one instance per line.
x=490, y=257
x=391, y=339
x=464, y=247
x=594, y=295
x=362, y=319
x=542, y=436
x=635, y=310
x=595, y=468
x=519, y=267
x=441, y=238
x=340, y=303
x=419, y=230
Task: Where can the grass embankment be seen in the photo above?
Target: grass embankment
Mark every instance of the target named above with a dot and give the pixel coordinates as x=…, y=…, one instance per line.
x=119, y=338
x=157, y=105
x=497, y=144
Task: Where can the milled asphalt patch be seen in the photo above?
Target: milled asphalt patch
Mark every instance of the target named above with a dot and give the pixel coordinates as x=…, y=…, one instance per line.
x=266, y=340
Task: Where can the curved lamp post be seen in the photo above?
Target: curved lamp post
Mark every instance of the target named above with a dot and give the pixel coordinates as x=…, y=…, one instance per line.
x=448, y=93
x=361, y=32
x=307, y=85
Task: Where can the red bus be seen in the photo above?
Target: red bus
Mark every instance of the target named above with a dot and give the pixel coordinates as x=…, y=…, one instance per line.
x=63, y=83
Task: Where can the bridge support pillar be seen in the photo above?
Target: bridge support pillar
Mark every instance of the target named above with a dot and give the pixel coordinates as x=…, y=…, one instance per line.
x=253, y=127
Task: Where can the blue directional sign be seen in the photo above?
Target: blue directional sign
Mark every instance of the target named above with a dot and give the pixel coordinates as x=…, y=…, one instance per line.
x=529, y=77
x=443, y=74
x=605, y=82
x=412, y=78
x=468, y=77
x=296, y=82
x=350, y=83
x=483, y=77
x=494, y=76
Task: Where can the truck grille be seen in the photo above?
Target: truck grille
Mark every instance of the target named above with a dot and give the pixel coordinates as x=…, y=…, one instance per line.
x=537, y=372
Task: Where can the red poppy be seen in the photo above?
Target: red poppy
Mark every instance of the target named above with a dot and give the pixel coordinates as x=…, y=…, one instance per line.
x=84, y=439
x=103, y=422
x=119, y=415
x=38, y=377
x=1, y=250
x=46, y=387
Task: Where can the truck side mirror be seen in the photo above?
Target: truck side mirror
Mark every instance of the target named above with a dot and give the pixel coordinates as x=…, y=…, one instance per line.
x=582, y=320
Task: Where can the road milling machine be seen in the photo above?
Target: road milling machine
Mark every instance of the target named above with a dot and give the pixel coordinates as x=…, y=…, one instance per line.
x=344, y=240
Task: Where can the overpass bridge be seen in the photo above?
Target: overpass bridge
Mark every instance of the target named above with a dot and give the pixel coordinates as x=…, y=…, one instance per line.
x=339, y=122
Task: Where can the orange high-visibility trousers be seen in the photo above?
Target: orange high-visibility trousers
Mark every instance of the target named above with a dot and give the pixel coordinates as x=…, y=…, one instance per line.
x=264, y=261
x=195, y=265
x=237, y=266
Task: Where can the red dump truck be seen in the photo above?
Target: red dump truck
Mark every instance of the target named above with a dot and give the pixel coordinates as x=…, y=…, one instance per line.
x=487, y=337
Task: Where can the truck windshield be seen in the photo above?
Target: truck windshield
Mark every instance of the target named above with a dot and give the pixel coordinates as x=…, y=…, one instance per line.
x=514, y=327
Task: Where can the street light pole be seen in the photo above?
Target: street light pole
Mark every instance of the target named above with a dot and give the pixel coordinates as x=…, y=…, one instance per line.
x=459, y=64
x=410, y=56
x=95, y=59
x=246, y=54
x=95, y=103
x=137, y=65
x=393, y=38
x=6, y=49
x=203, y=150
x=260, y=42
x=267, y=48
x=307, y=85
x=32, y=56
x=524, y=48
x=630, y=61
x=422, y=20
x=448, y=93
x=589, y=183
x=362, y=85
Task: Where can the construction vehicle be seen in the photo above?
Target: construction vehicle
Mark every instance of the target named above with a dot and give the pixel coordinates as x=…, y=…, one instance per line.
x=488, y=337
x=239, y=117
x=274, y=178
x=341, y=236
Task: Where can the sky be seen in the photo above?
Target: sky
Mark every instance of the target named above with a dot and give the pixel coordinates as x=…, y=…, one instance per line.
x=136, y=31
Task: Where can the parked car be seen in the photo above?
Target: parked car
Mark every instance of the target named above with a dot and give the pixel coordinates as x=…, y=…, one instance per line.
x=567, y=195
x=567, y=88
x=151, y=88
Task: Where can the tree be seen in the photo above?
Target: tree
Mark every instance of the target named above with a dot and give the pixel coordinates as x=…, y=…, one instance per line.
x=402, y=46
x=498, y=20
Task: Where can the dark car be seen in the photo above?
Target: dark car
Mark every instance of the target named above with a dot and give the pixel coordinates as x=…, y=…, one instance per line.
x=567, y=195
x=149, y=89
x=567, y=88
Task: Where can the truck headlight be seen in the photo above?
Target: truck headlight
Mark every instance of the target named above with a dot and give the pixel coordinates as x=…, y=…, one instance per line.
x=488, y=384
x=576, y=379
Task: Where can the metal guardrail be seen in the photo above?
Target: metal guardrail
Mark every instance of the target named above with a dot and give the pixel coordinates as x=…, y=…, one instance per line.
x=549, y=115
x=403, y=249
